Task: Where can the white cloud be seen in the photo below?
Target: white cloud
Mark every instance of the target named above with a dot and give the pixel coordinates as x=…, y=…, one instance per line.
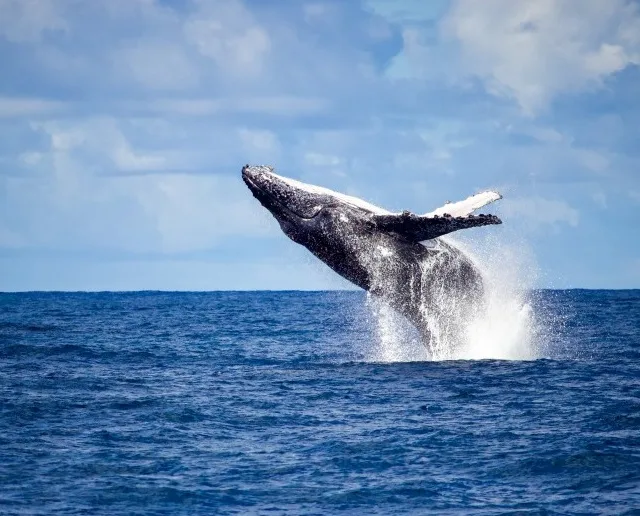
x=23, y=106
x=260, y=146
x=535, y=51
x=102, y=139
x=260, y=140
x=180, y=106
x=170, y=213
x=415, y=60
x=128, y=160
x=202, y=58
x=600, y=199
x=69, y=203
x=61, y=139
x=157, y=65
x=194, y=212
x=317, y=159
x=281, y=105
x=593, y=160
x=227, y=33
x=546, y=135
x=23, y=21
x=315, y=11
x=30, y=158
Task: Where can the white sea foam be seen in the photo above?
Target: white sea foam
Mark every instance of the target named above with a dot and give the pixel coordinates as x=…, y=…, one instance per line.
x=397, y=340
x=504, y=327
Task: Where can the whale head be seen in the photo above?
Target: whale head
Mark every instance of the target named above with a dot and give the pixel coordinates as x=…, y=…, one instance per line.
x=305, y=212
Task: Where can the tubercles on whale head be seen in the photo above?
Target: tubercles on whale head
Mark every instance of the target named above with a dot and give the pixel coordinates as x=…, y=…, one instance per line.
x=282, y=198
x=296, y=206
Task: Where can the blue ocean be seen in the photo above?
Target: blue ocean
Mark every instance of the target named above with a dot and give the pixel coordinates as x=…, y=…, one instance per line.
x=315, y=403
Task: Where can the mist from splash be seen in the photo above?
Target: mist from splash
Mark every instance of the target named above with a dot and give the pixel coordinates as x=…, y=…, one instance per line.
x=505, y=326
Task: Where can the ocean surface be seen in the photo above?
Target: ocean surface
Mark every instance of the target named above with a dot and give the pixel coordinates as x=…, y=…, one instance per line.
x=313, y=403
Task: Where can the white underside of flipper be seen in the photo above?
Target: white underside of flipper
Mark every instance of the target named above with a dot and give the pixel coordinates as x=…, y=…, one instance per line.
x=466, y=207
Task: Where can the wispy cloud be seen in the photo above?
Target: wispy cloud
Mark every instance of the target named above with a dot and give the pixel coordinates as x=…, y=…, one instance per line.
x=535, y=52
x=24, y=21
x=11, y=107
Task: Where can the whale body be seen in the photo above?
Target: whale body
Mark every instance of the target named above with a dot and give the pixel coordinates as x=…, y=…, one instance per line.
x=398, y=257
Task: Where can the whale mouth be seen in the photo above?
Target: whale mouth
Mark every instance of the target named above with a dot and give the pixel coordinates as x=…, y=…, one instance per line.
x=253, y=185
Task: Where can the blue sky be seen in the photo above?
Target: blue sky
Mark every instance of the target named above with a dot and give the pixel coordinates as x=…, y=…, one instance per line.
x=124, y=125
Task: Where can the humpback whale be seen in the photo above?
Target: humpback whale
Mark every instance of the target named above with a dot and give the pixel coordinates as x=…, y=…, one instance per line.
x=398, y=257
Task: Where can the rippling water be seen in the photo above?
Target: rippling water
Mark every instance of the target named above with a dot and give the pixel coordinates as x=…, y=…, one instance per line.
x=199, y=403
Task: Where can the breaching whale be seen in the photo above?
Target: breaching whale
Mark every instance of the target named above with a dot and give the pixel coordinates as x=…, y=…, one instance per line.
x=397, y=257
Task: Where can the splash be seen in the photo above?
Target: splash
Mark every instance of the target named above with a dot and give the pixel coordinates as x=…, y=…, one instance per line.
x=397, y=341
x=504, y=326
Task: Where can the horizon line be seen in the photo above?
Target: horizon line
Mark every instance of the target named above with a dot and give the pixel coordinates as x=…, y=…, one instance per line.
x=161, y=291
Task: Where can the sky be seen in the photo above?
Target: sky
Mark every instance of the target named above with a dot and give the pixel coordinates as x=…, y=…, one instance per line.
x=124, y=125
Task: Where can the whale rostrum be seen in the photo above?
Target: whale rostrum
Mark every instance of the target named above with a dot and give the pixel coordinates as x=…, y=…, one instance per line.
x=398, y=257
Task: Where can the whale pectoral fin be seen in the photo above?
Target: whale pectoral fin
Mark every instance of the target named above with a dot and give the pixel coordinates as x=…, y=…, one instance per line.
x=419, y=227
x=468, y=206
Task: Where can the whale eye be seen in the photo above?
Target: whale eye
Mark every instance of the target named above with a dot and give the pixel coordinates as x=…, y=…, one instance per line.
x=307, y=211
x=306, y=205
x=314, y=211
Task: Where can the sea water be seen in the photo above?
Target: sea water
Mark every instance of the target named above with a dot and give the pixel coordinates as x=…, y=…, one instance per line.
x=315, y=403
